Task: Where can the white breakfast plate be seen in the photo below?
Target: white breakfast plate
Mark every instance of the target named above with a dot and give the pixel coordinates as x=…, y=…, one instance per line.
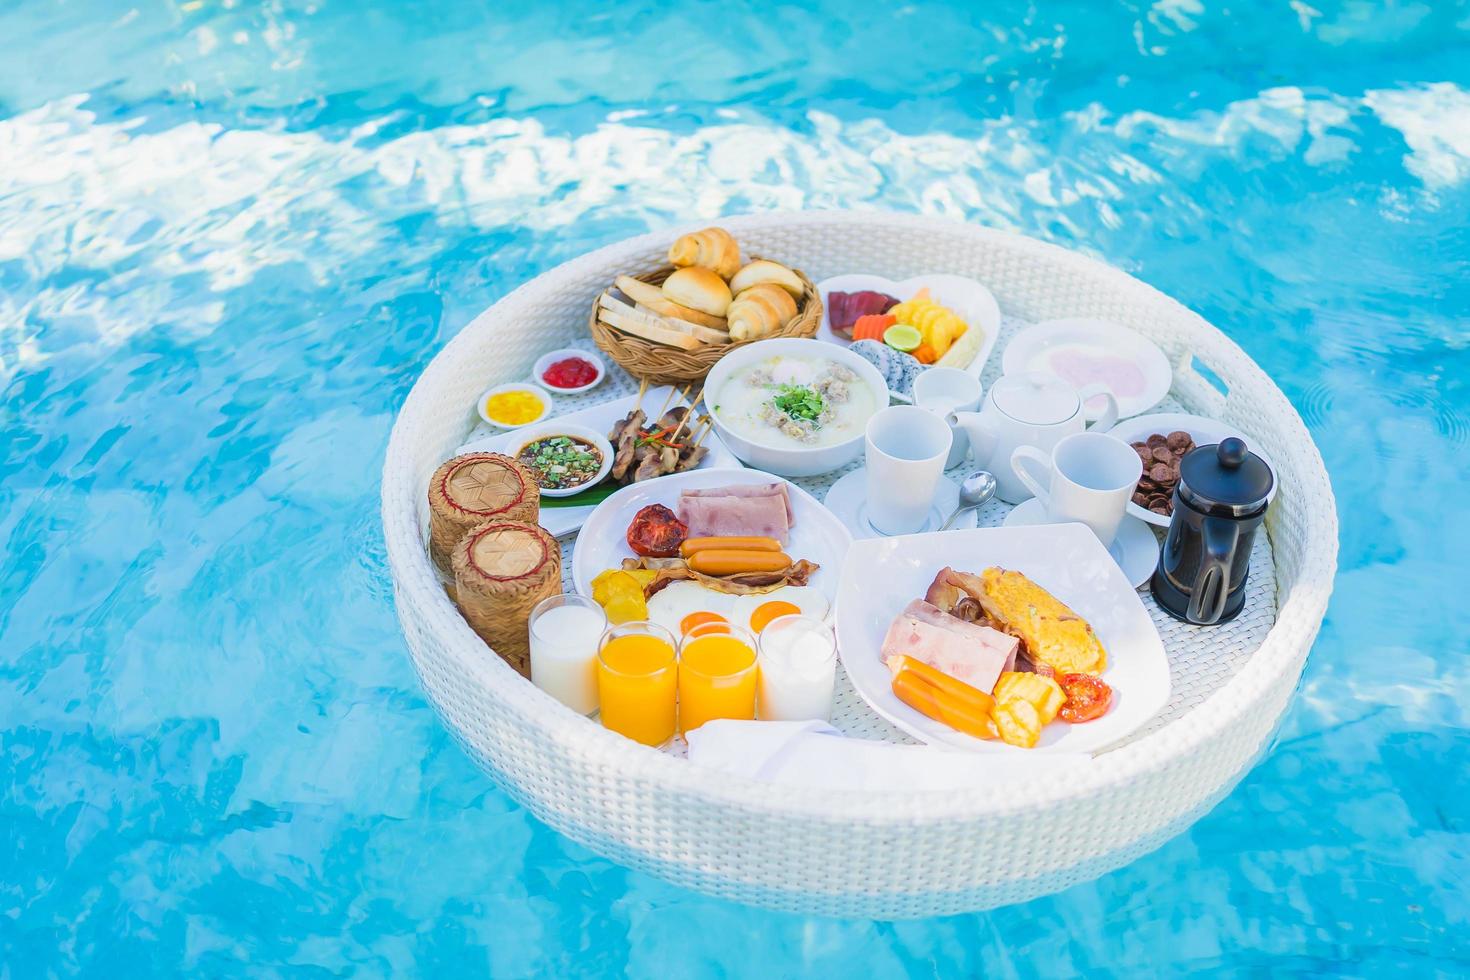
x=881, y=576
x=971, y=301
x=816, y=533
x=564, y=520
x=1141, y=376
x=1202, y=430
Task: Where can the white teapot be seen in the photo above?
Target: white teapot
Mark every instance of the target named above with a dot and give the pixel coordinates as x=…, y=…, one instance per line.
x=1030, y=409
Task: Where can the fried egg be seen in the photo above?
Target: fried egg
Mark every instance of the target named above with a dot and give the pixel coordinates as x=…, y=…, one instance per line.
x=755, y=612
x=680, y=606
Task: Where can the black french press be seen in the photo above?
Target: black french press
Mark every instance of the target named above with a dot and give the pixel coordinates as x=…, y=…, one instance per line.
x=1220, y=501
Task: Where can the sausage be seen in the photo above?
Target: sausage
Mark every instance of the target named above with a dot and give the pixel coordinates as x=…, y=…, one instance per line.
x=720, y=561
x=692, y=545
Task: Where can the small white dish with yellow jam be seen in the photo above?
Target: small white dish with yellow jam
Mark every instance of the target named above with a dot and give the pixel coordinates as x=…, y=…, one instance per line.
x=1000, y=639
x=511, y=406
x=904, y=328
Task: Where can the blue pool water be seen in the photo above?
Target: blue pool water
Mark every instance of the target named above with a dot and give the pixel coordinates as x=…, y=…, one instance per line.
x=233, y=233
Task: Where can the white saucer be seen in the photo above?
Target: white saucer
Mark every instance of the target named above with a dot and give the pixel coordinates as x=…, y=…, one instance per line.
x=848, y=496
x=1135, y=549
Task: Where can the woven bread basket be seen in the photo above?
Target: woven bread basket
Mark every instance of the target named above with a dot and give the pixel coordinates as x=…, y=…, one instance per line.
x=502, y=568
x=471, y=489
x=661, y=364
x=875, y=854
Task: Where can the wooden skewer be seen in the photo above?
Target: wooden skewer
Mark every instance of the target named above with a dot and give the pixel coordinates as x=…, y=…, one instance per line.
x=642, y=390
x=687, y=415
x=670, y=400
x=707, y=425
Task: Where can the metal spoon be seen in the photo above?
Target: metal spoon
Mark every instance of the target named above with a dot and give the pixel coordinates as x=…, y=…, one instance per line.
x=974, y=492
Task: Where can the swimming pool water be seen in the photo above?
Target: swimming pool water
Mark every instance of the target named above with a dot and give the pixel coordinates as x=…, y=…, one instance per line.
x=232, y=234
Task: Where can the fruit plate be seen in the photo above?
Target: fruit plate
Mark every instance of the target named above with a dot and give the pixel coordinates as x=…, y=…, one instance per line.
x=1202, y=430
x=816, y=533
x=971, y=301
x=565, y=515
x=881, y=576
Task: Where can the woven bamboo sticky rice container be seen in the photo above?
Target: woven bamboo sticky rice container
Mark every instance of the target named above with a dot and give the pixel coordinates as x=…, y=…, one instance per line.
x=661, y=364
x=877, y=854
x=471, y=489
x=501, y=570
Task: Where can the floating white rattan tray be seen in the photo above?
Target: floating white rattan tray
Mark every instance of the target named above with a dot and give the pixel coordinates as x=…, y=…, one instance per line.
x=866, y=854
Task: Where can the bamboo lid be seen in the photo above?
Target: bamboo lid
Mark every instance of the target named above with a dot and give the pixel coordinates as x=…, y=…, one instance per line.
x=507, y=552
x=486, y=484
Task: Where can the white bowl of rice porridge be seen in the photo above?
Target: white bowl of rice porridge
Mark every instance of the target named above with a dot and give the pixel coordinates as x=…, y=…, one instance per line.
x=793, y=407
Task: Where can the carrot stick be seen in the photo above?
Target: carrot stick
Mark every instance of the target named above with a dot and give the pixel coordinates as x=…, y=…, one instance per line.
x=933, y=703
x=952, y=686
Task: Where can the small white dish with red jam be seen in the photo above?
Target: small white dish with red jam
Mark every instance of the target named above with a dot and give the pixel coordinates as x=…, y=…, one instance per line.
x=569, y=371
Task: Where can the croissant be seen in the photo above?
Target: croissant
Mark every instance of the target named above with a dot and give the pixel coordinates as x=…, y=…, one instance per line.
x=764, y=270
x=712, y=248
x=759, y=312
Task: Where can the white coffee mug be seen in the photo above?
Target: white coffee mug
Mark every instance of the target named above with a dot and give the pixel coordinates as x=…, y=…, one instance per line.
x=1087, y=477
x=944, y=390
x=906, y=449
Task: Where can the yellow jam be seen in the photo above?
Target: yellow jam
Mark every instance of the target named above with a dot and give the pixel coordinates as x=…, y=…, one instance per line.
x=514, y=407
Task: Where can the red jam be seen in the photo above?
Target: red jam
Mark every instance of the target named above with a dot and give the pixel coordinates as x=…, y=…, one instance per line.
x=570, y=372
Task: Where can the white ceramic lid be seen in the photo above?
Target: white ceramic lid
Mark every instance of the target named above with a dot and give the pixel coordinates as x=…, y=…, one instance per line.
x=1036, y=398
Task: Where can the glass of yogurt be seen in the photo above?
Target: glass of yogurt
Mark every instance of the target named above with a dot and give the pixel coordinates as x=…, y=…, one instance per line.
x=798, y=668
x=564, y=631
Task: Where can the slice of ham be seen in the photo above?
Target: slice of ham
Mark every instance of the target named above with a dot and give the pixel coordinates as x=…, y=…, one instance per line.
x=965, y=651
x=762, y=510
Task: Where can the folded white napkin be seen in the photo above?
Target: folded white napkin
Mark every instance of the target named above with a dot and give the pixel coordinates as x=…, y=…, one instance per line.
x=813, y=753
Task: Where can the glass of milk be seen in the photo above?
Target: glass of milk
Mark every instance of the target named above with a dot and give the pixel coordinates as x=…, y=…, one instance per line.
x=564, y=633
x=798, y=667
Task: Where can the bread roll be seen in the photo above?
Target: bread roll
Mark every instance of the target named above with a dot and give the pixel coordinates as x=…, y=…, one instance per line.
x=763, y=271
x=699, y=289
x=649, y=295
x=620, y=316
x=759, y=312
x=712, y=248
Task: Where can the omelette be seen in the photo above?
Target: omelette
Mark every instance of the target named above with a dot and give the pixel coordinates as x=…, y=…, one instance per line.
x=1052, y=632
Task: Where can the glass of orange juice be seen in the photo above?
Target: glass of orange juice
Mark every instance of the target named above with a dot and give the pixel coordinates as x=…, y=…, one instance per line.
x=717, y=675
x=636, y=686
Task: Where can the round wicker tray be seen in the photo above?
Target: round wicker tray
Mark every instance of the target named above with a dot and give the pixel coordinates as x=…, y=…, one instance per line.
x=865, y=854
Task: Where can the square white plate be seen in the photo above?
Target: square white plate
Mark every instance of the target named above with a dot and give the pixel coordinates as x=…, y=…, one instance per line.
x=882, y=575
x=565, y=520
x=816, y=533
x=971, y=301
